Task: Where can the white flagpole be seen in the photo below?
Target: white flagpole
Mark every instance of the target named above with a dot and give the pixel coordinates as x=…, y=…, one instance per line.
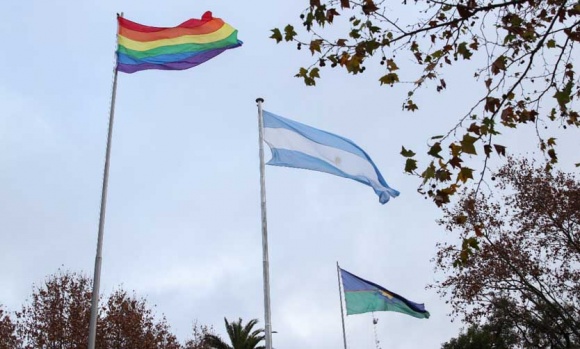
x=341, y=308
x=266, y=263
x=99, y=256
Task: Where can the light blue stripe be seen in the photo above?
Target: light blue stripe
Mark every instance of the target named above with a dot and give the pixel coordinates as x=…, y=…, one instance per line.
x=322, y=137
x=272, y=120
x=295, y=159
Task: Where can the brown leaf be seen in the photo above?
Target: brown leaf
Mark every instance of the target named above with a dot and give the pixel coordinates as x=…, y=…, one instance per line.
x=455, y=162
x=464, y=12
x=498, y=65
x=369, y=7
x=500, y=149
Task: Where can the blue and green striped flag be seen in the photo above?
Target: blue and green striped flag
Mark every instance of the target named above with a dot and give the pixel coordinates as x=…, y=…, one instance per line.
x=362, y=296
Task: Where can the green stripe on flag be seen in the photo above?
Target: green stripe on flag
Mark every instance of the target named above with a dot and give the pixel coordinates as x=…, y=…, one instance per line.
x=359, y=302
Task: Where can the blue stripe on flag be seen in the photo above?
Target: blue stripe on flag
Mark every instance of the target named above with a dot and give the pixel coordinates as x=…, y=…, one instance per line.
x=274, y=121
x=287, y=153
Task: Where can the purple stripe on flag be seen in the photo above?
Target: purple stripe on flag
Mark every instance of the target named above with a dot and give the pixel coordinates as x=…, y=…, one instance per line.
x=181, y=65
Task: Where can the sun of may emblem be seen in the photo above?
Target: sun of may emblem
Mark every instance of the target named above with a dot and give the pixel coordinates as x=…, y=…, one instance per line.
x=337, y=160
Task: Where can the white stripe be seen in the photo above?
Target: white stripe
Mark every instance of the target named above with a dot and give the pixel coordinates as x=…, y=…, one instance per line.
x=347, y=162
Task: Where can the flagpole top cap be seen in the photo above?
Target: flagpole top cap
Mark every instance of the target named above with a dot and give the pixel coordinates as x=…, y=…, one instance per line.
x=259, y=100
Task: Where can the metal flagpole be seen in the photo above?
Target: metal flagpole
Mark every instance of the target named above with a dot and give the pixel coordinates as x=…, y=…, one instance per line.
x=99, y=256
x=266, y=263
x=341, y=308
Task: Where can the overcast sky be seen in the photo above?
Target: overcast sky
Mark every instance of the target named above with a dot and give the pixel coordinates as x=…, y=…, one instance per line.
x=183, y=215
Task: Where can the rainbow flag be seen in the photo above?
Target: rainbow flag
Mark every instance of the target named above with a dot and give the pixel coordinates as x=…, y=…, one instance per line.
x=191, y=43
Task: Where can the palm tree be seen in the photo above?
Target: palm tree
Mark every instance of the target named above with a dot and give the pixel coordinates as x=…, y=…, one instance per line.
x=241, y=337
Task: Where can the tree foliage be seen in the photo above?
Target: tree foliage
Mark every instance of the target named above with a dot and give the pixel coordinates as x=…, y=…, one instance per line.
x=477, y=337
x=521, y=52
x=519, y=255
x=241, y=336
x=58, y=313
x=57, y=316
x=8, y=338
x=200, y=333
x=129, y=323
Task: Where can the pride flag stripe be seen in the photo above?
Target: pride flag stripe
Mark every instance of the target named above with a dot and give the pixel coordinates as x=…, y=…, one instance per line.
x=191, y=43
x=181, y=65
x=190, y=23
x=220, y=34
x=232, y=40
x=171, y=33
x=163, y=58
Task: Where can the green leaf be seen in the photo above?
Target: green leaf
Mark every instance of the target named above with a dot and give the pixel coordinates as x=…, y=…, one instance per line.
x=578, y=164
x=407, y=153
x=551, y=43
x=314, y=73
x=467, y=144
x=389, y=79
x=553, y=156
x=437, y=137
x=410, y=165
x=354, y=34
x=464, y=51
x=276, y=35
x=435, y=150
x=443, y=175
x=461, y=219
x=289, y=33
x=428, y=173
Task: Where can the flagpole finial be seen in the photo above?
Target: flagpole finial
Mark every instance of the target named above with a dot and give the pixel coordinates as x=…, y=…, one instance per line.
x=259, y=100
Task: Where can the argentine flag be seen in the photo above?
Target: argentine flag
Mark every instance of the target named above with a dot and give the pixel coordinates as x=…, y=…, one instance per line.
x=300, y=146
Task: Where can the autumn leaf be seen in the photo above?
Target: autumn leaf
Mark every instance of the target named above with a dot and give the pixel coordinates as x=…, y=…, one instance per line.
x=499, y=149
x=455, y=162
x=498, y=65
x=330, y=15
x=369, y=7
x=461, y=219
x=465, y=174
x=443, y=175
x=389, y=79
x=467, y=144
x=428, y=173
x=391, y=65
x=315, y=46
